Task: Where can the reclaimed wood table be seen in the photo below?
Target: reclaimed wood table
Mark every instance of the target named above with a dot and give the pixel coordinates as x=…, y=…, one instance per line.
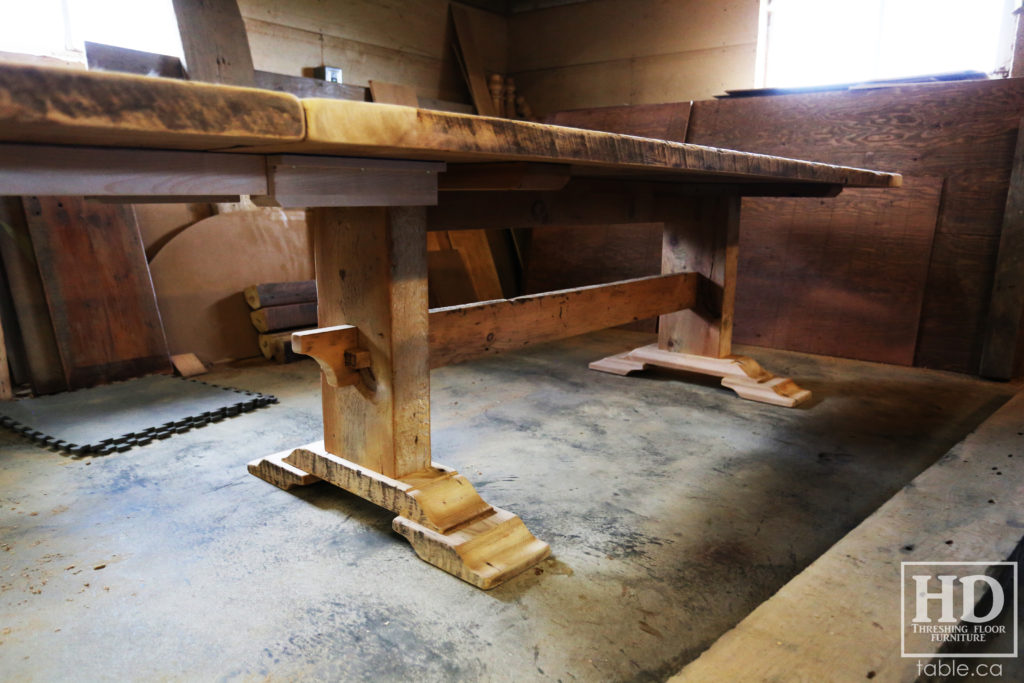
x=374, y=179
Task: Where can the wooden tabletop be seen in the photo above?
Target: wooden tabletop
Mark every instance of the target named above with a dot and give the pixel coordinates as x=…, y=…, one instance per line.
x=67, y=106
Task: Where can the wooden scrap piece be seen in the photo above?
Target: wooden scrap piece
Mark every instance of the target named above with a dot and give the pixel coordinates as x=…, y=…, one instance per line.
x=277, y=346
x=45, y=373
x=393, y=93
x=188, y=364
x=214, y=41
x=280, y=293
x=475, y=74
x=1007, y=303
x=458, y=333
x=289, y=316
x=439, y=512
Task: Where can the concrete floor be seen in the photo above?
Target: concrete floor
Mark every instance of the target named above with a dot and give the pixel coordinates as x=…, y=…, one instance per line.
x=672, y=509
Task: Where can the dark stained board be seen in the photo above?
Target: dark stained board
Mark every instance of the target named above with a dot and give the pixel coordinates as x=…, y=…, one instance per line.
x=963, y=132
x=839, y=277
x=661, y=121
x=563, y=258
x=45, y=374
x=1004, y=316
x=98, y=288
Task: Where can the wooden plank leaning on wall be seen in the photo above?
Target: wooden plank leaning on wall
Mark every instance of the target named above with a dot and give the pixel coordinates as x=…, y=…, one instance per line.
x=42, y=358
x=1002, y=330
x=213, y=38
x=98, y=288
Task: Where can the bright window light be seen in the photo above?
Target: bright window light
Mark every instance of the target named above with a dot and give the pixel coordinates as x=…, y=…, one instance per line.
x=146, y=25
x=60, y=28
x=33, y=28
x=818, y=42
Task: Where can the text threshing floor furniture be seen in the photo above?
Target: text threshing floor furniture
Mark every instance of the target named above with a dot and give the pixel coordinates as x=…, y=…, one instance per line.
x=374, y=178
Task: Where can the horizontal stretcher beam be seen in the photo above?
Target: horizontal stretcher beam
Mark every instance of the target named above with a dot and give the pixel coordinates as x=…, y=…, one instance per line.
x=459, y=333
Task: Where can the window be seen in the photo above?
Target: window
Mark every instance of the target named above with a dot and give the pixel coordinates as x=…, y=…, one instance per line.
x=818, y=42
x=59, y=28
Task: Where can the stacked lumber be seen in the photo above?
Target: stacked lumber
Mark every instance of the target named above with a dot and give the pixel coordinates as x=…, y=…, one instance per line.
x=278, y=310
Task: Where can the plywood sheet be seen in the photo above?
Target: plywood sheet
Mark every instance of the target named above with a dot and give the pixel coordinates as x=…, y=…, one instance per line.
x=98, y=289
x=201, y=273
x=843, y=276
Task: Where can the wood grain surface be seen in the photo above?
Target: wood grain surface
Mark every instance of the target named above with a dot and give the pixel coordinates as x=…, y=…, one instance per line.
x=69, y=106
x=661, y=121
x=1004, y=314
x=214, y=41
x=45, y=373
x=839, y=277
x=98, y=288
x=963, y=132
x=371, y=272
x=341, y=127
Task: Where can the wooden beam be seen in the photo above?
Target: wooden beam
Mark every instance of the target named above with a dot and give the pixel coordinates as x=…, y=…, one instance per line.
x=371, y=272
x=331, y=348
x=166, y=199
x=44, y=170
x=302, y=86
x=516, y=175
x=280, y=293
x=458, y=333
x=387, y=131
x=590, y=201
x=702, y=235
x=214, y=40
x=476, y=77
x=301, y=181
x=1007, y=303
x=393, y=93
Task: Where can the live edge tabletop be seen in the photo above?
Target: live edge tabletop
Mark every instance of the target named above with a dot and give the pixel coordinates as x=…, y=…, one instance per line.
x=374, y=178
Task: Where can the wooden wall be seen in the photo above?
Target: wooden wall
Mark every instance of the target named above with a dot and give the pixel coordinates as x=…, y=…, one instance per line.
x=611, y=52
x=400, y=41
